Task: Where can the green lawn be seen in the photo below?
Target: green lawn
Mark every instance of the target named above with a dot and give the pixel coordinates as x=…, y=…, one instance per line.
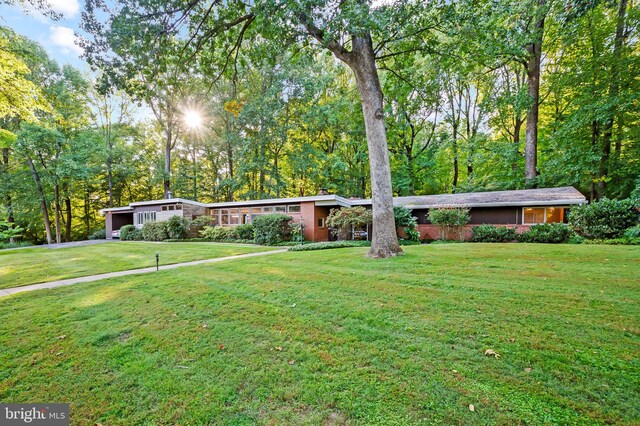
x=330, y=337
x=41, y=264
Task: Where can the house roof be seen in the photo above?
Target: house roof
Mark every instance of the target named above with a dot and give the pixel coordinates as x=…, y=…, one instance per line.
x=320, y=200
x=567, y=195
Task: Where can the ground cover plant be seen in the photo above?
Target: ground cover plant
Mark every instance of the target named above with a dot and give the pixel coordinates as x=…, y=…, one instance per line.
x=41, y=264
x=330, y=337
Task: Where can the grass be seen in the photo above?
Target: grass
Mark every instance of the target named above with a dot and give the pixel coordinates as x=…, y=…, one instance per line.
x=330, y=337
x=41, y=264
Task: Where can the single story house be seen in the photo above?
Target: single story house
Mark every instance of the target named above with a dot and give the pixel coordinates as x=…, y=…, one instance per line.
x=518, y=208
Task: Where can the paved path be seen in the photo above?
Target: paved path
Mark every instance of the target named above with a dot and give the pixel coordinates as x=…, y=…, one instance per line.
x=89, y=278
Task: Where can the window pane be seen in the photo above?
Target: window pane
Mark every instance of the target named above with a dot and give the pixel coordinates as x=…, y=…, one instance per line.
x=179, y=207
x=294, y=208
x=281, y=209
x=555, y=214
x=534, y=215
x=267, y=209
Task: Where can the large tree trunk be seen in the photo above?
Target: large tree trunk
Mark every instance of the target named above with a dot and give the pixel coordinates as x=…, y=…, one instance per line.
x=533, y=82
x=67, y=234
x=43, y=200
x=614, y=88
x=56, y=208
x=167, y=160
x=384, y=242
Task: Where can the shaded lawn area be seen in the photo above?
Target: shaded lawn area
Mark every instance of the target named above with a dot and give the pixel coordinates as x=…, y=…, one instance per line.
x=330, y=337
x=41, y=264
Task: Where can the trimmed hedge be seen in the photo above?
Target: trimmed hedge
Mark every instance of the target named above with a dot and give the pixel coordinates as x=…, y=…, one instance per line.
x=154, y=231
x=546, y=233
x=325, y=245
x=493, y=234
x=271, y=229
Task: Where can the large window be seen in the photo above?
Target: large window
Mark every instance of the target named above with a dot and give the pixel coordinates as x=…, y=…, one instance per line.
x=145, y=217
x=294, y=208
x=533, y=215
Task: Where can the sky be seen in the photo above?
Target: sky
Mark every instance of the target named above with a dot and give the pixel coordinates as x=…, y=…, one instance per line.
x=56, y=37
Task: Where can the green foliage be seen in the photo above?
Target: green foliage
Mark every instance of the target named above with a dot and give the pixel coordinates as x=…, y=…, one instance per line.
x=493, y=234
x=546, y=233
x=16, y=244
x=177, y=227
x=604, y=219
x=449, y=220
x=272, y=228
x=154, y=231
x=633, y=232
x=330, y=245
x=624, y=241
x=219, y=233
x=130, y=233
x=100, y=234
x=342, y=221
x=404, y=219
x=245, y=232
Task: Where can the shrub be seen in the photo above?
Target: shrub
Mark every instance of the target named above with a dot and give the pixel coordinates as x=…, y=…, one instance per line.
x=448, y=220
x=546, y=233
x=330, y=245
x=493, y=234
x=15, y=244
x=177, y=227
x=342, y=221
x=245, y=232
x=154, y=231
x=100, y=234
x=624, y=241
x=297, y=233
x=632, y=232
x=404, y=219
x=219, y=233
x=202, y=221
x=127, y=233
x=271, y=228
x=604, y=219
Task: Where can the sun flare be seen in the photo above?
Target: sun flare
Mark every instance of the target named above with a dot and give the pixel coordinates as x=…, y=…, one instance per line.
x=193, y=119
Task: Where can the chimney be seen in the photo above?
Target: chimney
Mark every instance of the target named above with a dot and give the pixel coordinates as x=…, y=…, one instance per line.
x=169, y=195
x=323, y=191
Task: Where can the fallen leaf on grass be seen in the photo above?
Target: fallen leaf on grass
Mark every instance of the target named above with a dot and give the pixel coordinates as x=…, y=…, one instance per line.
x=291, y=362
x=528, y=369
x=221, y=347
x=278, y=348
x=64, y=336
x=472, y=407
x=491, y=352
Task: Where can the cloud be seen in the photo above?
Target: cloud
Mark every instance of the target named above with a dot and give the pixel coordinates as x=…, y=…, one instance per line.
x=64, y=38
x=69, y=8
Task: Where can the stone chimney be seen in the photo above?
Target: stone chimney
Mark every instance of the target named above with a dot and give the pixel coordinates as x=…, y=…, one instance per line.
x=323, y=191
x=169, y=195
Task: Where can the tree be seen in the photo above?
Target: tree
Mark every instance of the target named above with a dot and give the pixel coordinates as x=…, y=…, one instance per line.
x=225, y=26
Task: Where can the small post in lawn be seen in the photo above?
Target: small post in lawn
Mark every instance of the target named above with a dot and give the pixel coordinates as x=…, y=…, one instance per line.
x=157, y=261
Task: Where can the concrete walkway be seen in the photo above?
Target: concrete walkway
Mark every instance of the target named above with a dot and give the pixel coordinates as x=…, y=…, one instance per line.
x=90, y=278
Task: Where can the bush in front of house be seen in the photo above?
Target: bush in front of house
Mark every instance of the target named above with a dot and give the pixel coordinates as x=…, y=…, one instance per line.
x=245, y=232
x=493, y=234
x=100, y=234
x=633, y=232
x=546, y=233
x=272, y=229
x=177, y=227
x=449, y=220
x=325, y=245
x=344, y=220
x=219, y=233
x=130, y=233
x=604, y=219
x=154, y=231
x=405, y=220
